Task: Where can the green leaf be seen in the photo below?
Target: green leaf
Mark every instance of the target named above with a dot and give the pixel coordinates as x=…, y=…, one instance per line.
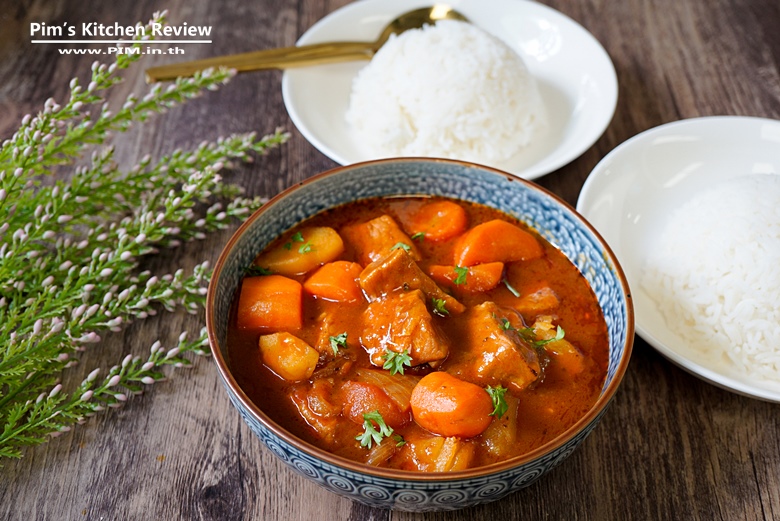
x=337, y=342
x=461, y=273
x=402, y=246
x=395, y=362
x=440, y=307
x=506, y=325
x=559, y=334
x=306, y=248
x=529, y=335
x=419, y=236
x=370, y=433
x=512, y=290
x=499, y=403
x=399, y=440
x=297, y=237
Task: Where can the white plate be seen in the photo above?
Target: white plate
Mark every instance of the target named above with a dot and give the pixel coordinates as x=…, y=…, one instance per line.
x=631, y=191
x=576, y=77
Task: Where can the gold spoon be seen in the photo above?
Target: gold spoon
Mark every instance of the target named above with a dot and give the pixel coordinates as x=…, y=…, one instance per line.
x=288, y=57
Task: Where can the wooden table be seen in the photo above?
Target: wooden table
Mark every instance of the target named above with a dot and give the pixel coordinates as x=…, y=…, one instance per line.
x=670, y=446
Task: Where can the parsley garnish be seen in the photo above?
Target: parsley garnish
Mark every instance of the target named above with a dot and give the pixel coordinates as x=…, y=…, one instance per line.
x=440, y=307
x=506, y=325
x=558, y=336
x=499, y=403
x=402, y=246
x=338, y=341
x=370, y=434
x=297, y=237
x=462, y=273
x=257, y=270
x=419, y=236
x=306, y=248
x=395, y=362
x=399, y=440
x=530, y=336
x=512, y=290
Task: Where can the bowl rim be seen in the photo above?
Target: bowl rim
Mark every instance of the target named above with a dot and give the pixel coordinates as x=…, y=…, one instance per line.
x=407, y=475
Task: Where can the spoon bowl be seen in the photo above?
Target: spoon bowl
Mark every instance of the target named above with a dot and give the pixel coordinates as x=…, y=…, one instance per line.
x=301, y=56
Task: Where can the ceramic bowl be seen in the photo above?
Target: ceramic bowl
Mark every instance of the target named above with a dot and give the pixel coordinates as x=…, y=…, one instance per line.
x=553, y=218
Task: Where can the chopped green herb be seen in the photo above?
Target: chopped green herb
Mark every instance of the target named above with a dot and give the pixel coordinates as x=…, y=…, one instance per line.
x=512, y=290
x=529, y=335
x=338, y=341
x=499, y=403
x=399, y=440
x=462, y=273
x=402, y=246
x=440, y=307
x=370, y=433
x=306, y=248
x=297, y=237
x=419, y=236
x=506, y=325
x=558, y=336
x=395, y=362
x=257, y=270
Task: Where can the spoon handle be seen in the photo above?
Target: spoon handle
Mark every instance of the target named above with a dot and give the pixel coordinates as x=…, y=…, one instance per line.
x=282, y=58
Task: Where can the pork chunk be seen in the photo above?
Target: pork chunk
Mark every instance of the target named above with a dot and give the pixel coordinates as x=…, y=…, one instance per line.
x=542, y=299
x=398, y=271
x=402, y=322
x=493, y=353
x=374, y=239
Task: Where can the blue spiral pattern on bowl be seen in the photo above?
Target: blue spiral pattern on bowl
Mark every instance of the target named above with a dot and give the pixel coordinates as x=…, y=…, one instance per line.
x=558, y=223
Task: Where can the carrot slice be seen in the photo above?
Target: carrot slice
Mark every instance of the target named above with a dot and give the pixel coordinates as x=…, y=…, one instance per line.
x=363, y=397
x=495, y=241
x=336, y=281
x=272, y=303
x=438, y=221
x=449, y=406
x=475, y=279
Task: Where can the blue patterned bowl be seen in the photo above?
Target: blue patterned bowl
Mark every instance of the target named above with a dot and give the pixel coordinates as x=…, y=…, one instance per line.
x=553, y=218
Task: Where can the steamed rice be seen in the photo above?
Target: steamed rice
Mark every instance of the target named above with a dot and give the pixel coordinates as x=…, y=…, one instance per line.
x=448, y=90
x=715, y=274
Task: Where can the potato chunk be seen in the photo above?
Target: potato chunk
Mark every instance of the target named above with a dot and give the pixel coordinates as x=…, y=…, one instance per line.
x=440, y=454
x=288, y=356
x=303, y=251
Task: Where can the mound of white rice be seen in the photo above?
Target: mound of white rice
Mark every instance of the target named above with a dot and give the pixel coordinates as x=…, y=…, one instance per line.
x=447, y=90
x=716, y=274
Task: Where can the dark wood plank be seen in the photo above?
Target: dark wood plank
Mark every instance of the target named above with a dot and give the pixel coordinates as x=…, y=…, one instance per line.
x=670, y=446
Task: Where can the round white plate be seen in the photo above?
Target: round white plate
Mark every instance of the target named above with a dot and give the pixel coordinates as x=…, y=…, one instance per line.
x=630, y=193
x=575, y=75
